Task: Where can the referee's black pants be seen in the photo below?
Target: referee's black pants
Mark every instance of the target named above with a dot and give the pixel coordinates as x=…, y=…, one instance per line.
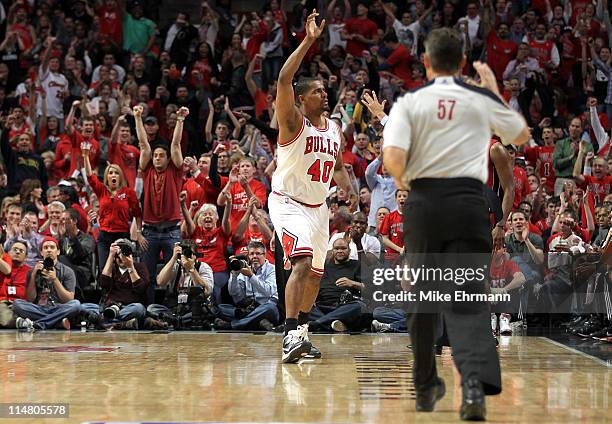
x=446, y=222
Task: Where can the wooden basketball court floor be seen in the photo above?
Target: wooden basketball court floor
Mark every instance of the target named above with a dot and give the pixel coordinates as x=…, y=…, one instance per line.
x=223, y=377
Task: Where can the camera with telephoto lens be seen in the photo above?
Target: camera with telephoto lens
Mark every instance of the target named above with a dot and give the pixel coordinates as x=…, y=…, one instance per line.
x=126, y=249
x=111, y=311
x=48, y=264
x=189, y=249
x=42, y=282
x=239, y=262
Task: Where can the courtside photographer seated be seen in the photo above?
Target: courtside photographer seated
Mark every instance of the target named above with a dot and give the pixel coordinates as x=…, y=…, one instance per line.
x=189, y=284
x=50, y=293
x=124, y=291
x=252, y=286
x=338, y=304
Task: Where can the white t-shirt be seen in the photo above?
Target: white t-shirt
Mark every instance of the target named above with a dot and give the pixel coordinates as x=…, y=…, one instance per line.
x=334, y=36
x=407, y=34
x=53, y=83
x=370, y=245
x=445, y=127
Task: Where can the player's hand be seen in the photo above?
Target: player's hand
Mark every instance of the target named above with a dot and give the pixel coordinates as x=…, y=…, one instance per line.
x=498, y=237
x=312, y=30
x=487, y=77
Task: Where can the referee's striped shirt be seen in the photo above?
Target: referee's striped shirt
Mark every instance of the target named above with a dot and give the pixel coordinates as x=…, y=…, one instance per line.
x=445, y=127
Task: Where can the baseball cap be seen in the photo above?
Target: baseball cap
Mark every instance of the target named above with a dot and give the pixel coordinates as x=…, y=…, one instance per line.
x=49, y=239
x=150, y=120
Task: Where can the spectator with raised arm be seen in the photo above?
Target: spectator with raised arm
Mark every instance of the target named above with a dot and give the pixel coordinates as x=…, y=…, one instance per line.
x=162, y=169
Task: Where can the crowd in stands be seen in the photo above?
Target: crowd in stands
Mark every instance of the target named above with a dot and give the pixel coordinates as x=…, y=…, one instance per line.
x=137, y=159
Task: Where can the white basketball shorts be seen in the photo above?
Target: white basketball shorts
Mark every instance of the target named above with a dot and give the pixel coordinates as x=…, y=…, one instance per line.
x=302, y=229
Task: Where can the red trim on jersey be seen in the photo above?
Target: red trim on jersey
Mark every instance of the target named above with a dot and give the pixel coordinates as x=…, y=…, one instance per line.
x=316, y=270
x=322, y=129
x=301, y=203
x=294, y=138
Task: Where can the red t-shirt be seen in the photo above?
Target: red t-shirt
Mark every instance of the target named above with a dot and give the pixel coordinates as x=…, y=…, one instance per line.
x=250, y=236
x=393, y=227
x=126, y=156
x=521, y=186
x=211, y=246
x=161, y=194
x=13, y=286
x=502, y=274
x=110, y=22
x=194, y=192
x=115, y=212
x=73, y=145
x=211, y=192
x=542, y=225
x=544, y=154
x=499, y=54
x=401, y=60
x=240, y=200
x=365, y=27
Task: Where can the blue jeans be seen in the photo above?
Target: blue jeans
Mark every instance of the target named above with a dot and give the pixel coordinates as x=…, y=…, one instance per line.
x=158, y=242
x=321, y=316
x=46, y=316
x=133, y=310
x=221, y=279
x=395, y=317
x=267, y=310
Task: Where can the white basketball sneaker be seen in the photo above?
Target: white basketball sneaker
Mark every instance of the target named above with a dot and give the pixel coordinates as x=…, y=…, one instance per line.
x=296, y=345
x=494, y=324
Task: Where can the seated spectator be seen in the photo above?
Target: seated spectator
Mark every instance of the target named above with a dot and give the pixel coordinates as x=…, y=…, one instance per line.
x=124, y=284
x=13, y=280
x=338, y=305
x=179, y=276
x=252, y=286
x=77, y=248
x=363, y=247
x=50, y=293
x=210, y=239
x=525, y=248
x=505, y=277
x=392, y=230
x=27, y=231
x=557, y=285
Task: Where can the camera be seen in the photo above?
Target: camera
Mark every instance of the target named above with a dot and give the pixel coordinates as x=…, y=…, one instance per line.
x=239, y=262
x=111, y=311
x=189, y=249
x=125, y=247
x=48, y=264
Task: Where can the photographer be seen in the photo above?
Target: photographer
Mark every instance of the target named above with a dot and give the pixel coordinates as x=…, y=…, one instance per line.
x=253, y=288
x=13, y=278
x=337, y=305
x=124, y=284
x=50, y=292
x=182, y=275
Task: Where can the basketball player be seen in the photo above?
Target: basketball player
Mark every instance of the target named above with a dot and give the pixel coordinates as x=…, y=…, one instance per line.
x=436, y=143
x=308, y=157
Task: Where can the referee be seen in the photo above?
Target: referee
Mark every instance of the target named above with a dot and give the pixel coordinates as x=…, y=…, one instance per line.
x=436, y=144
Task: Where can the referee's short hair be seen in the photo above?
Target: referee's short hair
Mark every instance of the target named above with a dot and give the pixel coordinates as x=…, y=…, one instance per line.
x=444, y=47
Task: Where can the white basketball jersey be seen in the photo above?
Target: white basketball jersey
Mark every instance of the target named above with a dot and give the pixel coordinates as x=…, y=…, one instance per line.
x=305, y=164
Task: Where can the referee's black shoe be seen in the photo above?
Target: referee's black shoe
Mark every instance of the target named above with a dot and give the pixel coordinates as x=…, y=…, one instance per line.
x=426, y=399
x=473, y=407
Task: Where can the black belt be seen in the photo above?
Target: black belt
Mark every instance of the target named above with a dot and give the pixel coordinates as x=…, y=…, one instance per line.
x=162, y=229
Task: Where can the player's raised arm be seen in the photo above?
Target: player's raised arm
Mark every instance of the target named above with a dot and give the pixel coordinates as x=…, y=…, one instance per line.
x=288, y=115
